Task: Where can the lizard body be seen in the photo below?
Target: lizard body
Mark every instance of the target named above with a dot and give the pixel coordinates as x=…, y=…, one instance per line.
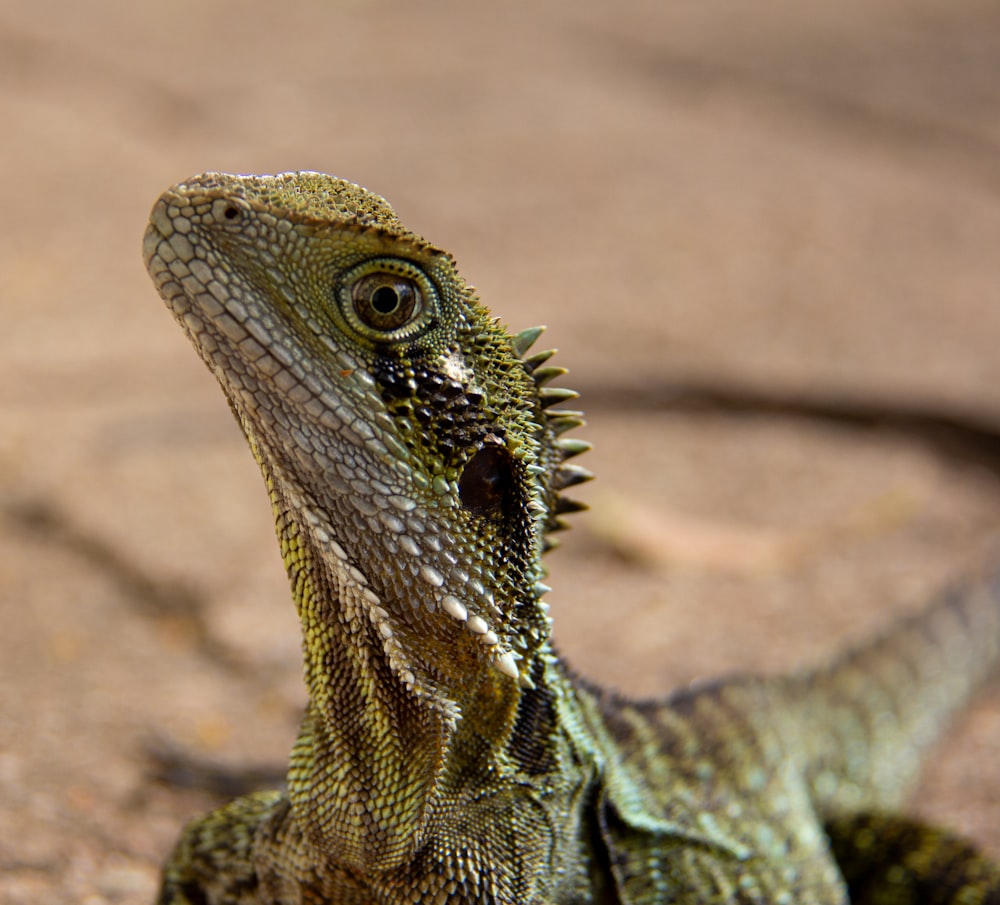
x=415, y=460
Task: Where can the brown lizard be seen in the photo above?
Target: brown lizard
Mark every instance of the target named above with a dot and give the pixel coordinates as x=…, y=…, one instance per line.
x=415, y=458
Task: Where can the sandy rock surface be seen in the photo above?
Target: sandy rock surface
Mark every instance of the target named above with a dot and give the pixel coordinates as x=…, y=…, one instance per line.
x=795, y=213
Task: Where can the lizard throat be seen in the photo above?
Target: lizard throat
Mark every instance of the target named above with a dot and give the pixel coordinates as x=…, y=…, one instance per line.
x=386, y=738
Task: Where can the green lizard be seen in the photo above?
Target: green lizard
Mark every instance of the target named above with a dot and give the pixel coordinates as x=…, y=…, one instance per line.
x=415, y=460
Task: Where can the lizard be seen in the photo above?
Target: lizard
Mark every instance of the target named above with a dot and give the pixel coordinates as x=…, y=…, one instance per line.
x=416, y=457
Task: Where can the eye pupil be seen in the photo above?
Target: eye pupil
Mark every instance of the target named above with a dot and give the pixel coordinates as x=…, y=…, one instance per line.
x=231, y=212
x=385, y=300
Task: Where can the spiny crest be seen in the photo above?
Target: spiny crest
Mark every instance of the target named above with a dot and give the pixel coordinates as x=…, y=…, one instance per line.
x=559, y=421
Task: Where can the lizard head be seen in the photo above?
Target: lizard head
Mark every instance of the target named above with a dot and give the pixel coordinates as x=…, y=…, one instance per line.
x=412, y=457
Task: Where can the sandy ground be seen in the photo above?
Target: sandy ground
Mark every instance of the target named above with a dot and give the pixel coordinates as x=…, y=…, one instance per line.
x=800, y=205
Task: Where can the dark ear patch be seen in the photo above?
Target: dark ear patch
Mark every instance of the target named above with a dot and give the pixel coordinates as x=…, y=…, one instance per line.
x=487, y=482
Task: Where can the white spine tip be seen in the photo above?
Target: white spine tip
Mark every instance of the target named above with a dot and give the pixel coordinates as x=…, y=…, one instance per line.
x=432, y=576
x=478, y=625
x=505, y=663
x=489, y=639
x=454, y=608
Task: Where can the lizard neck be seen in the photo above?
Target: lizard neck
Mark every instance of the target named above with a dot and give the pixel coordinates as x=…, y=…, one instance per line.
x=375, y=754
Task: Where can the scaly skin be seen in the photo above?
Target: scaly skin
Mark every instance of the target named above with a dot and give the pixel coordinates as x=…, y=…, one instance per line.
x=415, y=465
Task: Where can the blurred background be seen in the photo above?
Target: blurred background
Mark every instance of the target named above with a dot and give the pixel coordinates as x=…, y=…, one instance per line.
x=766, y=238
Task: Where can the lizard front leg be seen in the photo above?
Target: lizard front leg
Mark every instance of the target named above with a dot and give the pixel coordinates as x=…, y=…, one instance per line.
x=241, y=854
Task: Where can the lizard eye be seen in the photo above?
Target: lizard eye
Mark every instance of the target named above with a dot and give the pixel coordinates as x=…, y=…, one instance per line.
x=387, y=300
